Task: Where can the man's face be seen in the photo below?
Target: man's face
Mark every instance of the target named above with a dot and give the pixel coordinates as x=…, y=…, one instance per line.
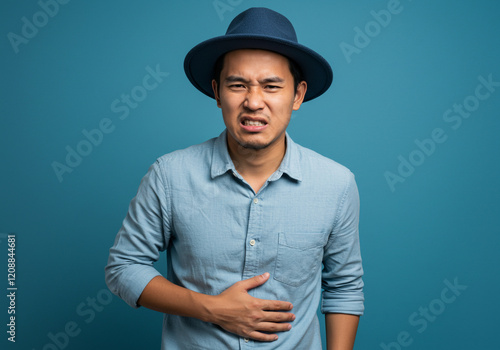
x=257, y=97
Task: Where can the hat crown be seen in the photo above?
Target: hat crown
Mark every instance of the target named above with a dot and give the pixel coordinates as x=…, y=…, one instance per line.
x=262, y=21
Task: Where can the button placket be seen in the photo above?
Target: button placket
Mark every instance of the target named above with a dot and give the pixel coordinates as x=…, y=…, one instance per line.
x=253, y=251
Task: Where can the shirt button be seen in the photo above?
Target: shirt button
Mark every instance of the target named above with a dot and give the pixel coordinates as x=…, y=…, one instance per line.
x=252, y=242
x=255, y=200
x=247, y=340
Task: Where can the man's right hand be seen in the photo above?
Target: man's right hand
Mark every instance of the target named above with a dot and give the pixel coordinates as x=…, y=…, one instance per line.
x=238, y=312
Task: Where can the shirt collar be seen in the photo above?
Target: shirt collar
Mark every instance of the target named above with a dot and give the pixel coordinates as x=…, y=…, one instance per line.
x=290, y=164
x=222, y=163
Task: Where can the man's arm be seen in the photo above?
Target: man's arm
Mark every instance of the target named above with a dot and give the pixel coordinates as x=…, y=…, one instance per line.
x=341, y=331
x=234, y=309
x=343, y=299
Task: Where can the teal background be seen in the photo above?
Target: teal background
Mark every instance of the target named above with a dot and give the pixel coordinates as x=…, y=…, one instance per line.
x=439, y=224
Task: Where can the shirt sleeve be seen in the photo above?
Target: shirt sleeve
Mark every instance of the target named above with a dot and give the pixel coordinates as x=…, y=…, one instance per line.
x=342, y=273
x=143, y=235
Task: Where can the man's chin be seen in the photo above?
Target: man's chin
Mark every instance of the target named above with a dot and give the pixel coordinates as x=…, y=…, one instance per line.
x=253, y=145
x=255, y=142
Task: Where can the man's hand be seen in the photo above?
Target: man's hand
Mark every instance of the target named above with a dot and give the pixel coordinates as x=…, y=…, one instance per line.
x=238, y=312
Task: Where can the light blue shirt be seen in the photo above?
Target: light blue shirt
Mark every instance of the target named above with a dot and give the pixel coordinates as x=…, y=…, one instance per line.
x=217, y=231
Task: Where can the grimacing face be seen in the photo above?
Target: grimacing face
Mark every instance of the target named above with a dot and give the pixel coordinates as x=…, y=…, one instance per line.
x=257, y=97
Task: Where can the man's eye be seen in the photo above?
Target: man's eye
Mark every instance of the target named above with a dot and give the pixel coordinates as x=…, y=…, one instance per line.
x=272, y=87
x=237, y=86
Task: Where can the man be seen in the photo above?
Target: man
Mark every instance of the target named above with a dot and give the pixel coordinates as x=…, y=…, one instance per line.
x=248, y=218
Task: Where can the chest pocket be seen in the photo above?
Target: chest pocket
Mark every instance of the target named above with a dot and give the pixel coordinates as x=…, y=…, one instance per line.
x=299, y=257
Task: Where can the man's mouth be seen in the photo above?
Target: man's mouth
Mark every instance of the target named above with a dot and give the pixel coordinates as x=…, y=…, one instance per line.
x=249, y=122
x=253, y=124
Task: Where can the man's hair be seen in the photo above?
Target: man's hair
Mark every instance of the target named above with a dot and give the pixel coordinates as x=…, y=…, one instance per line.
x=294, y=69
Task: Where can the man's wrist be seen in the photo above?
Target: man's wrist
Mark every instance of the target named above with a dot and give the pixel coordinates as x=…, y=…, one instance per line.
x=205, y=304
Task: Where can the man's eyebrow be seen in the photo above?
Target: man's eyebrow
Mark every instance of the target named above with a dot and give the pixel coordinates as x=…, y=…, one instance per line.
x=274, y=79
x=237, y=78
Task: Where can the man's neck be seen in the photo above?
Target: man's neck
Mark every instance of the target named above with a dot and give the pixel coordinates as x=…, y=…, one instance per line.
x=256, y=165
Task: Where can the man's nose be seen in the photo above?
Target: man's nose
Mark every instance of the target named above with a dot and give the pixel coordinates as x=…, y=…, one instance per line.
x=254, y=99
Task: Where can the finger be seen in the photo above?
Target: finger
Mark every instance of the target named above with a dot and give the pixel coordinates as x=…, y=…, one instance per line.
x=255, y=335
x=276, y=305
x=269, y=327
x=255, y=281
x=278, y=317
x=272, y=327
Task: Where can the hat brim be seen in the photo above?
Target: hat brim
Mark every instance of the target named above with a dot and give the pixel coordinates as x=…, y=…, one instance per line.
x=199, y=62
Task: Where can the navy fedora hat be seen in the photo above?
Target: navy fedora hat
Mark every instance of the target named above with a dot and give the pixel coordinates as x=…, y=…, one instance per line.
x=258, y=28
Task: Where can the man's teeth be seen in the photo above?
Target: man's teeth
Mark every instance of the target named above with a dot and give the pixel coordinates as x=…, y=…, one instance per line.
x=253, y=123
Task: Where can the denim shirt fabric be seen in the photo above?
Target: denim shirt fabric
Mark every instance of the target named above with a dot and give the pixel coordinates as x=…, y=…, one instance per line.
x=301, y=227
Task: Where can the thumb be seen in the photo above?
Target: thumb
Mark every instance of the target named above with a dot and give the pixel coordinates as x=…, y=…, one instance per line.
x=255, y=281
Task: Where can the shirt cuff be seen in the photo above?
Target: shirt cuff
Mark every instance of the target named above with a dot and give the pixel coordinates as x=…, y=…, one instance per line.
x=133, y=281
x=352, y=303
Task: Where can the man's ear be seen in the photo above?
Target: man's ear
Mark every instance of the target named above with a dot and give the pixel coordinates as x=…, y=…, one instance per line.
x=216, y=92
x=299, y=95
